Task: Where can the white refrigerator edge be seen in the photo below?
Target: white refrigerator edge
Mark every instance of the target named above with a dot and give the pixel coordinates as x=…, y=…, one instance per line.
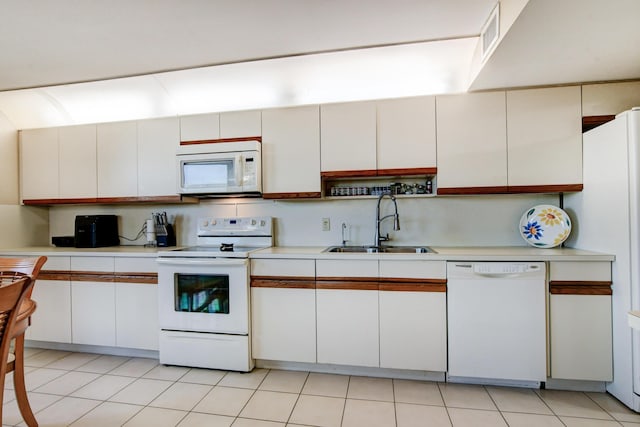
x=606, y=216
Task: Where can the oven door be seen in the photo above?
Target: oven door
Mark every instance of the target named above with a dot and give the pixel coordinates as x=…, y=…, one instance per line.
x=204, y=295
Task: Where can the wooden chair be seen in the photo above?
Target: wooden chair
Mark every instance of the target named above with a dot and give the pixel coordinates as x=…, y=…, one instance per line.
x=13, y=290
x=31, y=267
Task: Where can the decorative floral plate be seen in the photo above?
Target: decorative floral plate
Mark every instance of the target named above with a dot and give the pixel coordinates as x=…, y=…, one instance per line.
x=545, y=226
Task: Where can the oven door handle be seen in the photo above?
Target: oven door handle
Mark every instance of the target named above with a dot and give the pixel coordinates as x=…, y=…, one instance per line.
x=213, y=262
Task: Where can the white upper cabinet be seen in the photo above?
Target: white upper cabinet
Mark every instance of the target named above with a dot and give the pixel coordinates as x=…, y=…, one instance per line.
x=544, y=130
x=472, y=144
x=348, y=136
x=117, y=159
x=39, y=163
x=157, y=143
x=291, y=150
x=406, y=133
x=240, y=124
x=200, y=127
x=235, y=124
x=78, y=162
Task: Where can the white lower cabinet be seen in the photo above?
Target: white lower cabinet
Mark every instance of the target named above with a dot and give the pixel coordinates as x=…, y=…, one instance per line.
x=413, y=315
x=137, y=315
x=581, y=342
x=348, y=326
x=102, y=301
x=52, y=318
x=580, y=322
x=137, y=324
x=413, y=333
x=347, y=312
x=284, y=324
x=283, y=310
x=93, y=313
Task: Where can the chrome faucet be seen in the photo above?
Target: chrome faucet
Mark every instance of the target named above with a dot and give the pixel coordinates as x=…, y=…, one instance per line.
x=396, y=220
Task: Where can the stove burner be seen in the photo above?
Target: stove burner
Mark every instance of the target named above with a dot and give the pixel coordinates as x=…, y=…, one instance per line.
x=226, y=247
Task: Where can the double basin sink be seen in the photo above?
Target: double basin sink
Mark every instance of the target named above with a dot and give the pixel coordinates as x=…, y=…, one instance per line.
x=381, y=249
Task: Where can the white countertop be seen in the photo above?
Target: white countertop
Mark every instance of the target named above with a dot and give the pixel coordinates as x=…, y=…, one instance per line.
x=443, y=253
x=141, y=251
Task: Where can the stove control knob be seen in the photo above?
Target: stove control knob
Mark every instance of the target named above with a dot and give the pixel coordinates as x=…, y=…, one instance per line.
x=213, y=222
x=253, y=222
x=263, y=223
x=205, y=223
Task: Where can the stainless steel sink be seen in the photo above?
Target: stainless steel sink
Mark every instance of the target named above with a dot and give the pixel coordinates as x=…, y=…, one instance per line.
x=381, y=249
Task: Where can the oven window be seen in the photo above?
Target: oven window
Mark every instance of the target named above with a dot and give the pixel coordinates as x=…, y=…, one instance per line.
x=202, y=293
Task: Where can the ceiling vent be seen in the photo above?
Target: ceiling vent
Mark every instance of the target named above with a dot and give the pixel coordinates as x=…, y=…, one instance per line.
x=490, y=32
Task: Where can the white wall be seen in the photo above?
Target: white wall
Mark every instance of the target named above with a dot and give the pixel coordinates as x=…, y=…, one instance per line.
x=9, y=162
x=438, y=221
x=19, y=225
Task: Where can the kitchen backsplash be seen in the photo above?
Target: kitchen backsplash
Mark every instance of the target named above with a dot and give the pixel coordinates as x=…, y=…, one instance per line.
x=437, y=221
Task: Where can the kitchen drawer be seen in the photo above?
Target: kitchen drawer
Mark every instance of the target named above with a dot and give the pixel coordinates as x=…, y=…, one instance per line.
x=283, y=267
x=89, y=263
x=580, y=271
x=346, y=268
x=135, y=264
x=413, y=269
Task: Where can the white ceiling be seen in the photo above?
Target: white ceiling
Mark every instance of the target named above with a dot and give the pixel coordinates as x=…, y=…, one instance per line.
x=154, y=58
x=47, y=42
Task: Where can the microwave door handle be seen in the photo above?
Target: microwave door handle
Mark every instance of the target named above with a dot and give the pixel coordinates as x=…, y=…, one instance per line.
x=239, y=162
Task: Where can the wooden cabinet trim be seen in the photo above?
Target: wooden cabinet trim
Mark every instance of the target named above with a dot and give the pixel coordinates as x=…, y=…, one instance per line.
x=413, y=287
x=91, y=276
x=283, y=282
x=98, y=276
x=348, y=284
x=63, y=275
x=302, y=195
x=137, y=278
x=582, y=287
x=219, y=140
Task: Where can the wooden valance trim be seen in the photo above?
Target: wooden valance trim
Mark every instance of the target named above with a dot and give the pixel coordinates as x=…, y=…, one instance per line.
x=219, y=140
x=561, y=188
x=407, y=171
x=472, y=190
x=349, y=174
x=112, y=200
x=569, y=287
x=368, y=173
x=302, y=195
x=513, y=189
x=590, y=122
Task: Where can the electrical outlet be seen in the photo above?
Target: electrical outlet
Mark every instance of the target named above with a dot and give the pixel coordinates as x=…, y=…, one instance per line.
x=326, y=224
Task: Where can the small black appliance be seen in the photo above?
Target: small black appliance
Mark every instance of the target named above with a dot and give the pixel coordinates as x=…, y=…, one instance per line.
x=95, y=231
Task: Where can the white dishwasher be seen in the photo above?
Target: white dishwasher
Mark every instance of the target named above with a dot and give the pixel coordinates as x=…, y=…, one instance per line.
x=496, y=316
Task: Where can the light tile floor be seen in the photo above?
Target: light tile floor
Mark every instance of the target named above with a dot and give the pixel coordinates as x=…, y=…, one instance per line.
x=90, y=390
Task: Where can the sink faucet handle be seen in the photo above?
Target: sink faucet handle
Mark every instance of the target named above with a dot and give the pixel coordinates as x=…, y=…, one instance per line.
x=345, y=234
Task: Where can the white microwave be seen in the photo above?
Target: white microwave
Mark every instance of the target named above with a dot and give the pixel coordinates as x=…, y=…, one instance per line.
x=220, y=169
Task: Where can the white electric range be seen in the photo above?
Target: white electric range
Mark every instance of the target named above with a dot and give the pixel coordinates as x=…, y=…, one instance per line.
x=203, y=294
